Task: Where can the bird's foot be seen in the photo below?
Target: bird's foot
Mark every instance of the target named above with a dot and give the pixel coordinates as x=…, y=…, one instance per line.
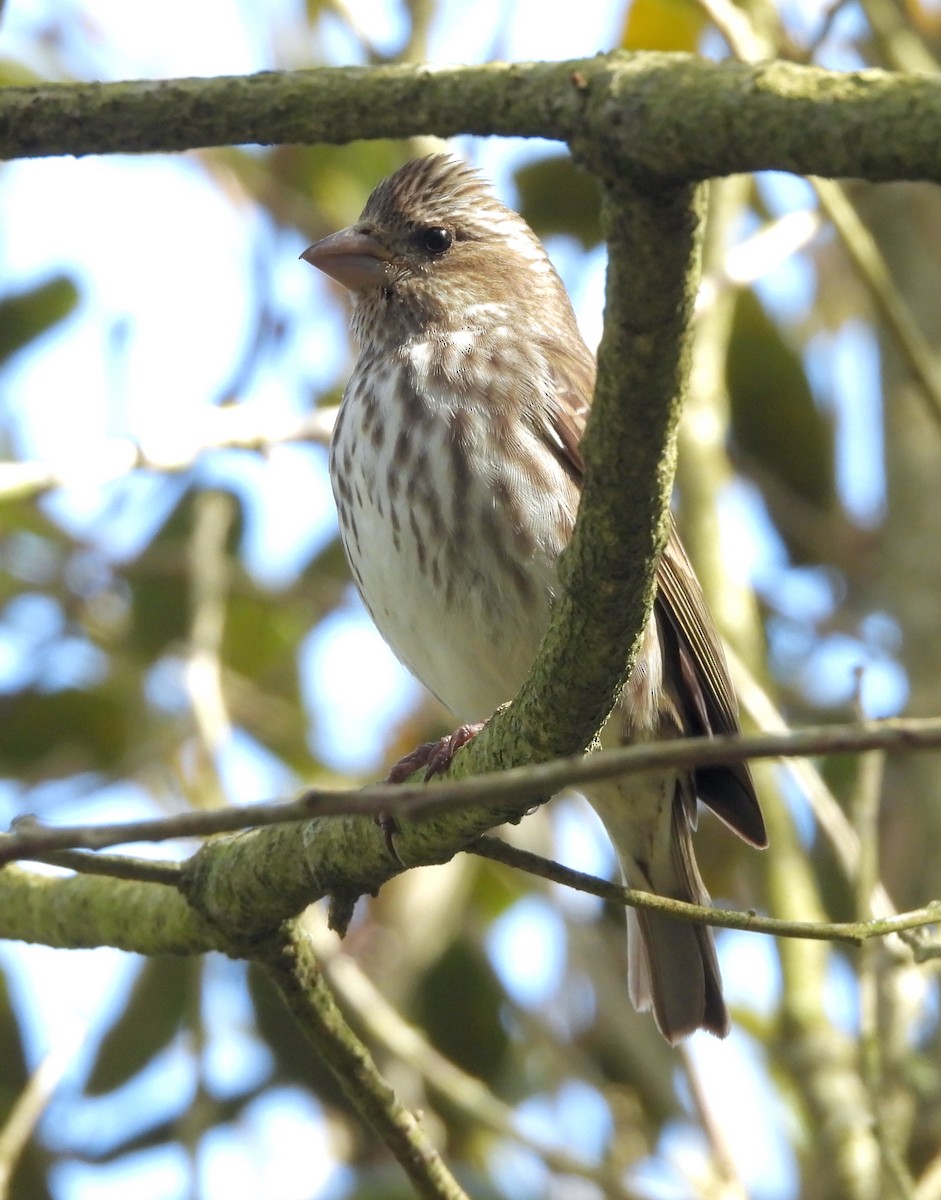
x=435, y=757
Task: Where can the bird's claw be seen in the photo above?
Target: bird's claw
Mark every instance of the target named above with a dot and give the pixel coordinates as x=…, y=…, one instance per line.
x=435, y=757
x=409, y=763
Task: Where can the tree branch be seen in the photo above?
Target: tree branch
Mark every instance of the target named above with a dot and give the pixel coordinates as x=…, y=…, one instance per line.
x=607, y=572
x=409, y=1045
x=853, y=933
x=78, y=911
x=292, y=965
x=665, y=117
x=516, y=787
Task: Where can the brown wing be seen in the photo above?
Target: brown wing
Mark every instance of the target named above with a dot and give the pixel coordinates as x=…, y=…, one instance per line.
x=693, y=656
x=573, y=382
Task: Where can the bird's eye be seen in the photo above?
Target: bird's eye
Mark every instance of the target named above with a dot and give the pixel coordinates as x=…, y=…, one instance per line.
x=436, y=239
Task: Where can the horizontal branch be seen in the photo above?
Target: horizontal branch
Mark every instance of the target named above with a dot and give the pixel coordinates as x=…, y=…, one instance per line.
x=666, y=117
x=77, y=911
x=524, y=784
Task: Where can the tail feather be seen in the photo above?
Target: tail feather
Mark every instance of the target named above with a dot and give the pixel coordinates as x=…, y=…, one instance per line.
x=673, y=970
x=672, y=964
x=673, y=961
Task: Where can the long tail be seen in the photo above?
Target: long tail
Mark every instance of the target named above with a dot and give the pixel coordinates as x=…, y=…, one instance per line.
x=672, y=963
x=673, y=969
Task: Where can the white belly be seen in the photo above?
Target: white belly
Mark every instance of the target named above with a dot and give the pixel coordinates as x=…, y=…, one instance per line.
x=459, y=581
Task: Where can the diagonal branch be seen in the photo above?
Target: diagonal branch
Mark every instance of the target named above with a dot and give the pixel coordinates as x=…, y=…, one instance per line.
x=292, y=965
x=853, y=933
x=386, y=1027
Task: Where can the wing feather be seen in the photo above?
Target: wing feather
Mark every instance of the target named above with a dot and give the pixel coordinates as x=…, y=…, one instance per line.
x=692, y=651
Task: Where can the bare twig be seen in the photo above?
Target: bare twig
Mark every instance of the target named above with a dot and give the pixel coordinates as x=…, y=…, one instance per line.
x=853, y=933
x=115, y=866
x=532, y=782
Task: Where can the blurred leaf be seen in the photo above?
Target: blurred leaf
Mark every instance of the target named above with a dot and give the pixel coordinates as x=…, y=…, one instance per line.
x=160, y=580
x=458, y=1002
x=159, y=607
x=16, y=74
x=556, y=197
x=27, y=314
x=315, y=189
x=262, y=633
x=53, y=734
x=496, y=889
x=328, y=575
x=775, y=420
x=149, y=1021
x=663, y=25
x=338, y=180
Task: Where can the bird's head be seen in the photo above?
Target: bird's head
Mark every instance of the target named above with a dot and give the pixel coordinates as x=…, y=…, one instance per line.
x=435, y=248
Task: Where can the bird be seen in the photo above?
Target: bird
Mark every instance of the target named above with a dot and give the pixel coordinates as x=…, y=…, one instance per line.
x=456, y=465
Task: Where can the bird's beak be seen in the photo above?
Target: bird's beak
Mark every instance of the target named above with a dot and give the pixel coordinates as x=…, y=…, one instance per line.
x=357, y=260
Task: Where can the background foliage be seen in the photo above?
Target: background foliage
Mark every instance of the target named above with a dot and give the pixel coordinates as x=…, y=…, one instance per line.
x=177, y=629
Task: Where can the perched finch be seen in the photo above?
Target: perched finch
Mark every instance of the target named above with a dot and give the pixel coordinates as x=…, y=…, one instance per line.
x=457, y=472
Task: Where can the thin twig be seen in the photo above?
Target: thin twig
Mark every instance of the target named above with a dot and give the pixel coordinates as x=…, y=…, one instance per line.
x=115, y=866
x=533, y=782
x=853, y=933
x=874, y=1045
